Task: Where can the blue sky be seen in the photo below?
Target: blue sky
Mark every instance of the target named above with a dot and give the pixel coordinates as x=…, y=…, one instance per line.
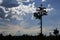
x=16, y=16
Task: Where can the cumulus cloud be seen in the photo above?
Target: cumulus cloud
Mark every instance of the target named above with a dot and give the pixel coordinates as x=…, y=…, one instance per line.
x=22, y=10
x=17, y=15
x=17, y=12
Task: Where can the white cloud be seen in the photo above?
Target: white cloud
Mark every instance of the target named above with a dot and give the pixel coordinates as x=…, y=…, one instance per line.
x=0, y=1
x=27, y=0
x=3, y=8
x=23, y=0
x=17, y=12
x=49, y=8
x=43, y=0
x=16, y=16
x=22, y=10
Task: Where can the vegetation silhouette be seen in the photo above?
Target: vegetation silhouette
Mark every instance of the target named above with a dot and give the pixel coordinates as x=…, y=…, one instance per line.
x=56, y=32
x=40, y=11
x=30, y=37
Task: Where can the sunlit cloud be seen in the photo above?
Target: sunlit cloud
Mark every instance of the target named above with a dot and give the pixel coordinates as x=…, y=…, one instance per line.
x=43, y=0
x=13, y=29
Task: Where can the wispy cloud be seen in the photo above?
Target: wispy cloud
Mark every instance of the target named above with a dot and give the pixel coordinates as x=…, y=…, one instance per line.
x=43, y=0
x=49, y=8
x=15, y=29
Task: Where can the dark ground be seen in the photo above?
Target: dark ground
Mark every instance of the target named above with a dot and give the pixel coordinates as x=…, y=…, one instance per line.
x=26, y=37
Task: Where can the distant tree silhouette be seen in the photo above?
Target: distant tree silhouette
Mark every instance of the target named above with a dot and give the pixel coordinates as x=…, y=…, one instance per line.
x=56, y=32
x=1, y=35
x=50, y=34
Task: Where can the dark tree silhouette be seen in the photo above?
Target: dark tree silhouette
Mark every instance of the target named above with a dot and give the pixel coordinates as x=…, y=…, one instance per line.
x=39, y=13
x=29, y=37
x=56, y=32
x=50, y=34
